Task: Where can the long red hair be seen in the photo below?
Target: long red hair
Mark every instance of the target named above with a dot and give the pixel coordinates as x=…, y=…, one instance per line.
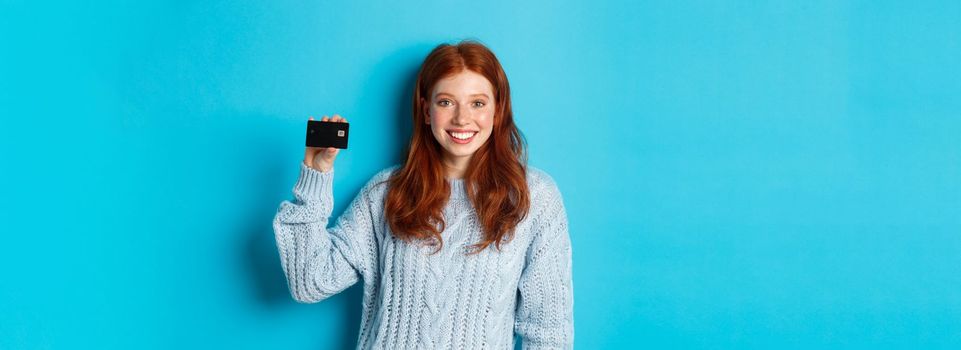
x=496, y=178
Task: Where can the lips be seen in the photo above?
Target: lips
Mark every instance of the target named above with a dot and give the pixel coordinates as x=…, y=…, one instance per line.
x=461, y=137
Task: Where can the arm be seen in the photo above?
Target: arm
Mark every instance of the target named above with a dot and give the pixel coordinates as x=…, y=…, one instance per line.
x=320, y=262
x=544, y=316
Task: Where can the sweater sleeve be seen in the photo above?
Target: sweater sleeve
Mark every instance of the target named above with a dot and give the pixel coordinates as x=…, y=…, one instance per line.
x=320, y=262
x=544, y=317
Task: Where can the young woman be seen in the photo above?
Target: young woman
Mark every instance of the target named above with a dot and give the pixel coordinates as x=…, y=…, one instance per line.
x=459, y=247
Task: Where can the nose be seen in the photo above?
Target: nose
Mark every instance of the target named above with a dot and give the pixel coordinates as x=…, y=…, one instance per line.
x=460, y=117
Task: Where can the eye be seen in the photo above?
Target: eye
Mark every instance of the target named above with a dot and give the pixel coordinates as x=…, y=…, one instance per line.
x=479, y=103
x=442, y=103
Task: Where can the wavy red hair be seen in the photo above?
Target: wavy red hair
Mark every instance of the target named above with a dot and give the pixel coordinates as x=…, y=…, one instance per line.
x=496, y=178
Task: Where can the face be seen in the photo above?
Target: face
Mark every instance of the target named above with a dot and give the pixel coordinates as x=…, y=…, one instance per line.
x=461, y=115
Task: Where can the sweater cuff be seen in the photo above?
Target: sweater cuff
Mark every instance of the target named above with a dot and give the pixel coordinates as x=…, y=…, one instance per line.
x=313, y=184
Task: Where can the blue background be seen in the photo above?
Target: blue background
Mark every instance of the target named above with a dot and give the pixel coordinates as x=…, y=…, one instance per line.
x=745, y=175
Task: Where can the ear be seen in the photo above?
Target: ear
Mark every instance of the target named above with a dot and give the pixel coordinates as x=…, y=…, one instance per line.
x=426, y=111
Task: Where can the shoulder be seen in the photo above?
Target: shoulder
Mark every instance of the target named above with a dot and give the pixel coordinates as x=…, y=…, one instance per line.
x=541, y=184
x=384, y=173
x=547, y=212
x=379, y=182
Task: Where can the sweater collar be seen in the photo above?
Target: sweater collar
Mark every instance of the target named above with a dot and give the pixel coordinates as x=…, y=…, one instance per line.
x=457, y=188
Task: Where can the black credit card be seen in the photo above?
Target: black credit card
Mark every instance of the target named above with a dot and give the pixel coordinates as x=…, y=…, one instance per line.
x=327, y=134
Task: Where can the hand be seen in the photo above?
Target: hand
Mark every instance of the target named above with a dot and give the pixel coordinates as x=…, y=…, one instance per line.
x=322, y=158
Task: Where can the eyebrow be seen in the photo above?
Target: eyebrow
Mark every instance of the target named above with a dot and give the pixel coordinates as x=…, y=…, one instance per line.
x=451, y=95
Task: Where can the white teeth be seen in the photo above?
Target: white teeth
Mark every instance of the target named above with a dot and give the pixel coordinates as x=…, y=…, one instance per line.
x=462, y=135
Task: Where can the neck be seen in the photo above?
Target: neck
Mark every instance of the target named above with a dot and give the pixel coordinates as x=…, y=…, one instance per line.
x=456, y=167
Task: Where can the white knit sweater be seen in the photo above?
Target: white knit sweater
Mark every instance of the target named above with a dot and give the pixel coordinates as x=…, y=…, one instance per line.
x=413, y=300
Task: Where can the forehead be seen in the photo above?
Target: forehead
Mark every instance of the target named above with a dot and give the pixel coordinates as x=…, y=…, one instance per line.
x=464, y=83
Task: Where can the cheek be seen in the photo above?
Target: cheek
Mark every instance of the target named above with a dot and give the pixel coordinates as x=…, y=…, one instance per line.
x=487, y=126
x=438, y=115
x=488, y=122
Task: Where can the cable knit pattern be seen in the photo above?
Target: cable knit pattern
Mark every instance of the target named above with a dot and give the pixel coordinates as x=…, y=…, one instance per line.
x=413, y=300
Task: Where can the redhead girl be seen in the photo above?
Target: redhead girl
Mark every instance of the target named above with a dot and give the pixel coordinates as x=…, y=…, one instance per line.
x=462, y=246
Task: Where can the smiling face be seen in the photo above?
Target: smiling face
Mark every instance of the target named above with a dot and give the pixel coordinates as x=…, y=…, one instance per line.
x=461, y=115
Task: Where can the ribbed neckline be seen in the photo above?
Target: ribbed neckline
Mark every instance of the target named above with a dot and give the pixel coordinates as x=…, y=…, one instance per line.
x=457, y=190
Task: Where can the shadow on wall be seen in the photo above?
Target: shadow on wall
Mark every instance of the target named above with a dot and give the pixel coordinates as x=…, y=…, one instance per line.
x=395, y=75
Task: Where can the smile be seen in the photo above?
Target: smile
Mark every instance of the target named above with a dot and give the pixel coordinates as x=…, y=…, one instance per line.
x=462, y=137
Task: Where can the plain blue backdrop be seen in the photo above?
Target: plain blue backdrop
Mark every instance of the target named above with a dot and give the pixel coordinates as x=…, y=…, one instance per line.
x=774, y=174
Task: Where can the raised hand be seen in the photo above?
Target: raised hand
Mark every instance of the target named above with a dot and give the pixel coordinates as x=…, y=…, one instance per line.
x=322, y=158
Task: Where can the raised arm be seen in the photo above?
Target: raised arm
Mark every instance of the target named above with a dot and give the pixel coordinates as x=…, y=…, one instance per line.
x=544, y=316
x=320, y=262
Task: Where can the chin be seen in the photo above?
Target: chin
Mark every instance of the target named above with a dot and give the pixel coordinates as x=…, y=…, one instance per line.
x=462, y=154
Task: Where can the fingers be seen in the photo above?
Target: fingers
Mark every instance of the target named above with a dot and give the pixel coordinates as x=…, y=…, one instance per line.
x=317, y=156
x=335, y=118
